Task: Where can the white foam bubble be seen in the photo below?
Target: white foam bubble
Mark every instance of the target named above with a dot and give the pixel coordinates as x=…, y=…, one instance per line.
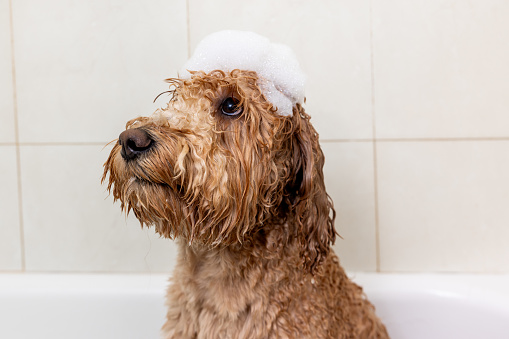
x=281, y=79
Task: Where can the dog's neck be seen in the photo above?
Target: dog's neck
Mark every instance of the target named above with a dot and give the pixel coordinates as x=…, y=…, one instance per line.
x=230, y=275
x=263, y=243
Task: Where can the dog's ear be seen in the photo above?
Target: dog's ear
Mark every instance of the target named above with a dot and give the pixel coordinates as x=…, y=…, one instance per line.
x=309, y=200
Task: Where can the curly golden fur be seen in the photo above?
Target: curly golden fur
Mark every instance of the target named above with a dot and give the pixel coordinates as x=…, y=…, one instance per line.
x=244, y=196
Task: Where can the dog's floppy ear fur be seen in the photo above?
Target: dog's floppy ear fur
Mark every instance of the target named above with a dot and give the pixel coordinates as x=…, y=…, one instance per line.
x=312, y=206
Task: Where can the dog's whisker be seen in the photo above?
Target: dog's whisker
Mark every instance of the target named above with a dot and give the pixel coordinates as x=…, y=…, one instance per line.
x=157, y=97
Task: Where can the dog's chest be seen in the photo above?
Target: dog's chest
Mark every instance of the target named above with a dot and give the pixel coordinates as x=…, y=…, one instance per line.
x=225, y=284
x=230, y=295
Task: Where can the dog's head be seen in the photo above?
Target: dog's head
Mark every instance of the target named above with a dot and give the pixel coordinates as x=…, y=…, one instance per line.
x=219, y=165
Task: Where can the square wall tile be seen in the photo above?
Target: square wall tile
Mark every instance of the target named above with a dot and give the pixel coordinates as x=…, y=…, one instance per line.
x=10, y=234
x=85, y=67
x=7, y=133
x=332, y=44
x=349, y=180
x=440, y=68
x=71, y=224
x=444, y=206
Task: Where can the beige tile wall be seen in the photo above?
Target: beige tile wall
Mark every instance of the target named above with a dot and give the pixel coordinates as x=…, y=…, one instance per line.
x=409, y=97
x=10, y=232
x=7, y=134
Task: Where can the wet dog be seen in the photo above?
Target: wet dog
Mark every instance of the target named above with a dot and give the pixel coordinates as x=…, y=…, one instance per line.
x=238, y=182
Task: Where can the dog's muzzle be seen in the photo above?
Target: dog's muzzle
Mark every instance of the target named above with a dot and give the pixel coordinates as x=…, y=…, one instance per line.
x=134, y=142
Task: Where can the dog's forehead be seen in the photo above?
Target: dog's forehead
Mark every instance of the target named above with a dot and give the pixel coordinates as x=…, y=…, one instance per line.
x=280, y=77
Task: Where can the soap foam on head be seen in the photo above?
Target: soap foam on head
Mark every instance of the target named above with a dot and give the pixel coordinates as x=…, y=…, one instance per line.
x=281, y=79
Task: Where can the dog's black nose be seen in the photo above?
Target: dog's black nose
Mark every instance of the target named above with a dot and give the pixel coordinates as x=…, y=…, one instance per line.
x=134, y=142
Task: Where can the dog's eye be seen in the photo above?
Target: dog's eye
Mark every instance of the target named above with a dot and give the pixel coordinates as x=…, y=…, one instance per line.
x=230, y=106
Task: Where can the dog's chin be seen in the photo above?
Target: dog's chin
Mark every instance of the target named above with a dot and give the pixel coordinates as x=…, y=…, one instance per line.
x=140, y=184
x=153, y=203
x=164, y=207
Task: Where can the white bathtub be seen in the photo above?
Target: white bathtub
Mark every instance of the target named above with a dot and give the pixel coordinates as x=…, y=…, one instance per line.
x=414, y=306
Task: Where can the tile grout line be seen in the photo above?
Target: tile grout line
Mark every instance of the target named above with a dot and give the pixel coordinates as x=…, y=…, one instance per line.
x=360, y=140
x=363, y=140
x=435, y=139
x=376, y=207
x=63, y=143
x=430, y=139
x=345, y=140
x=188, y=20
x=375, y=156
x=17, y=144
